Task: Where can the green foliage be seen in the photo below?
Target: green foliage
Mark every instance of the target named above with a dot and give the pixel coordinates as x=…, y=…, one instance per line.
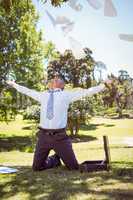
x=63, y=184
x=8, y=5
x=32, y=113
x=79, y=113
x=21, y=45
x=21, y=52
x=118, y=94
x=123, y=75
x=55, y=3
x=77, y=72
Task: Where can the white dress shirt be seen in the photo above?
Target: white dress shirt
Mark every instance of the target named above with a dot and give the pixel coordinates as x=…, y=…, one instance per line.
x=62, y=99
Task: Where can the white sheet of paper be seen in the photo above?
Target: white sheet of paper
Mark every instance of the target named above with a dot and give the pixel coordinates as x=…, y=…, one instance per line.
x=59, y=20
x=62, y=20
x=67, y=28
x=7, y=170
x=95, y=4
x=76, y=48
x=52, y=19
x=126, y=37
x=74, y=5
x=109, y=9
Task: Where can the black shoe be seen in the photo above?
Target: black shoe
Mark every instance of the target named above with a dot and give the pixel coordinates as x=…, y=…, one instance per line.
x=83, y=168
x=56, y=160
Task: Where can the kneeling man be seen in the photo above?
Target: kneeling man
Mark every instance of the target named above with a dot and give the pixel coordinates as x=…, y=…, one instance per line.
x=53, y=122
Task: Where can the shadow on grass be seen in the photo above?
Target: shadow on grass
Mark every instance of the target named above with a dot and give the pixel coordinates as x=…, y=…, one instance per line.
x=22, y=143
x=119, y=163
x=61, y=184
x=109, y=125
x=82, y=138
x=27, y=127
x=125, y=116
x=90, y=126
x=122, y=168
x=15, y=143
x=94, y=126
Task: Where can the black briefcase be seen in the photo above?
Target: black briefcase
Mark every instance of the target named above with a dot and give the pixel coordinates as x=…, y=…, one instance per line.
x=98, y=165
x=95, y=165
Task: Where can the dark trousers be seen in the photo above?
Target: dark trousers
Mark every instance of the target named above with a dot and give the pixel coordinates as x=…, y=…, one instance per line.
x=61, y=144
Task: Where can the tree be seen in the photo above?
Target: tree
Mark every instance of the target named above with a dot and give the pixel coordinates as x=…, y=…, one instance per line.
x=100, y=66
x=118, y=94
x=55, y=3
x=8, y=5
x=21, y=51
x=123, y=75
x=76, y=73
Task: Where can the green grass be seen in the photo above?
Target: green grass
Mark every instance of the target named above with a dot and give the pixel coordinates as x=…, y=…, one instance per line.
x=59, y=183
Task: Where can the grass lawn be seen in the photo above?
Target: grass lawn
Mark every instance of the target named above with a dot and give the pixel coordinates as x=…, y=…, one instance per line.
x=59, y=183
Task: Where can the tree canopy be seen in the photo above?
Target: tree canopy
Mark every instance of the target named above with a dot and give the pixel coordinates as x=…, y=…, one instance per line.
x=22, y=50
x=77, y=72
x=8, y=5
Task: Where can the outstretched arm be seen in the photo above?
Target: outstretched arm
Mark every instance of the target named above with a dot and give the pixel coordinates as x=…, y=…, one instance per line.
x=79, y=94
x=24, y=90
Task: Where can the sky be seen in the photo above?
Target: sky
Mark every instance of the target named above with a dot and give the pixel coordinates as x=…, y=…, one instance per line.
x=95, y=31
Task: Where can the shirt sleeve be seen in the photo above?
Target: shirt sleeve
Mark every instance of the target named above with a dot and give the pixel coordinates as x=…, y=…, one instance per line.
x=29, y=92
x=79, y=94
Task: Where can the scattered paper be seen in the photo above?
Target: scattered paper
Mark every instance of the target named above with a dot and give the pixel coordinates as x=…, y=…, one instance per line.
x=58, y=20
x=74, y=5
x=76, y=48
x=95, y=4
x=67, y=28
x=51, y=18
x=109, y=9
x=126, y=37
x=62, y=20
x=7, y=170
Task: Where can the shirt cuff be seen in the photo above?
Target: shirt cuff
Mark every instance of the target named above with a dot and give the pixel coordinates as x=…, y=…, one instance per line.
x=16, y=86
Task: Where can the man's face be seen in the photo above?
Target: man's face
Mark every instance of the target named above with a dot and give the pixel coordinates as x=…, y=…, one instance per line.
x=56, y=83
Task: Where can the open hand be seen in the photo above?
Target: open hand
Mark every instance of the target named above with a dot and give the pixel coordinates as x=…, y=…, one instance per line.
x=11, y=83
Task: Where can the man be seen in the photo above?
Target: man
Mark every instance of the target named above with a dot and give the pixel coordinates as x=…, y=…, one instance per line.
x=53, y=121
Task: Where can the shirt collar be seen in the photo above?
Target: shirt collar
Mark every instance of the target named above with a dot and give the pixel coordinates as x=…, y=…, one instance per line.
x=55, y=90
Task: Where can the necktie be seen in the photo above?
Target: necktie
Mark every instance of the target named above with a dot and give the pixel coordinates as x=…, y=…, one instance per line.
x=50, y=104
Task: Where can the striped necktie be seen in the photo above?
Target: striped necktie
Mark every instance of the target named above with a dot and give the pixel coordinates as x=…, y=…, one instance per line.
x=50, y=104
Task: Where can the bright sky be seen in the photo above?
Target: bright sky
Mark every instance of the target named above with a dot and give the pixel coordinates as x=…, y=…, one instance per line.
x=95, y=31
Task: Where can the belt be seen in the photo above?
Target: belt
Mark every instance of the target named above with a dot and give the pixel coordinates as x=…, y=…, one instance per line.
x=60, y=131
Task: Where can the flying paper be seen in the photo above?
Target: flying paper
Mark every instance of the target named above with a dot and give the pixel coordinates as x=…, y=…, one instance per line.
x=95, y=4
x=58, y=19
x=67, y=28
x=76, y=48
x=109, y=9
x=62, y=20
x=126, y=37
x=74, y=5
x=51, y=18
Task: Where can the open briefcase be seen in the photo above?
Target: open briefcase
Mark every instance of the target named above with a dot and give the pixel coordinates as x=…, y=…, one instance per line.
x=98, y=165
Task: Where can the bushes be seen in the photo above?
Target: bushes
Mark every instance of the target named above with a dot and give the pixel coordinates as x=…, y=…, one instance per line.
x=32, y=113
x=79, y=112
